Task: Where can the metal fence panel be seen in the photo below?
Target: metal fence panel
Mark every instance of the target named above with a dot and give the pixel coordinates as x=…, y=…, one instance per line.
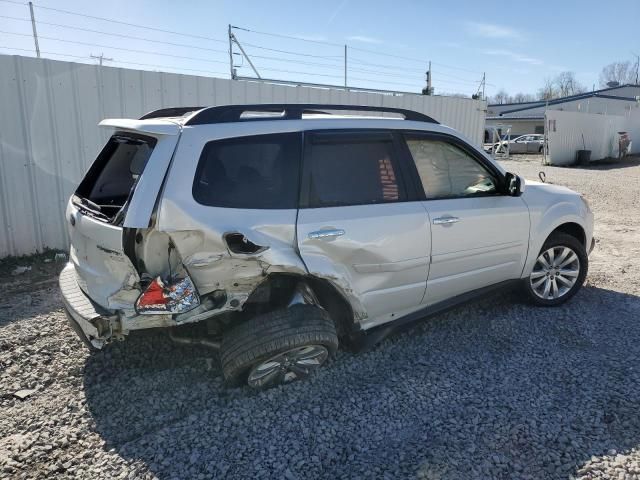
x=49, y=133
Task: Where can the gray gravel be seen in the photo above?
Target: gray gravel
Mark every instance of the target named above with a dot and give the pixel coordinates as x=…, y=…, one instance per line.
x=496, y=389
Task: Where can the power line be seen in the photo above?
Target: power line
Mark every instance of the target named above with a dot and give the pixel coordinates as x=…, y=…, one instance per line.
x=123, y=23
x=116, y=48
x=299, y=62
x=121, y=61
x=456, y=68
x=389, y=67
x=300, y=73
x=290, y=52
x=412, y=59
x=350, y=47
x=330, y=58
x=327, y=65
x=388, y=54
x=116, y=34
x=321, y=42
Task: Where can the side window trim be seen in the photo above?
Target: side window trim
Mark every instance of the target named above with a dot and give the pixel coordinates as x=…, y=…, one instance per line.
x=344, y=134
x=465, y=147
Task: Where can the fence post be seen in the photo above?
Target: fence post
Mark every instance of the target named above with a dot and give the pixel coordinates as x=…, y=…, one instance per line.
x=33, y=26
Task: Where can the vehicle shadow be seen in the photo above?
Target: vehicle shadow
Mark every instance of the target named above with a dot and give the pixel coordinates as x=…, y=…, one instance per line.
x=493, y=389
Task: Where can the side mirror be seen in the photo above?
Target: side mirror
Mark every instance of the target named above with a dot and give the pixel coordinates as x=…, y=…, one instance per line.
x=514, y=184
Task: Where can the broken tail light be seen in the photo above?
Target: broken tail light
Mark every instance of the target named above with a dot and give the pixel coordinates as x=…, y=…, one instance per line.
x=177, y=295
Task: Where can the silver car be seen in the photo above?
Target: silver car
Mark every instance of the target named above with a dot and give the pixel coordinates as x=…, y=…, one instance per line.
x=523, y=144
x=274, y=233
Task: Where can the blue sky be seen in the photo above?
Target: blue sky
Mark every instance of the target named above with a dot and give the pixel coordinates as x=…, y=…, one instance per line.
x=517, y=45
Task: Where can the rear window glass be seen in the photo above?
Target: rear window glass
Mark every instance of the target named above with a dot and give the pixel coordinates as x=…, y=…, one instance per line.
x=250, y=172
x=352, y=171
x=112, y=177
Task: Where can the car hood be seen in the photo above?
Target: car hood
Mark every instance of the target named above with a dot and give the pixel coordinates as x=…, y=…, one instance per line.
x=547, y=188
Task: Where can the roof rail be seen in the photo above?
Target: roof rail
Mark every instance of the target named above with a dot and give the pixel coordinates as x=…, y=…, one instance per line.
x=290, y=111
x=169, y=112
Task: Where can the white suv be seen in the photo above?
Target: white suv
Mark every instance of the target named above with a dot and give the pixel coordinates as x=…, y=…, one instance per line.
x=274, y=232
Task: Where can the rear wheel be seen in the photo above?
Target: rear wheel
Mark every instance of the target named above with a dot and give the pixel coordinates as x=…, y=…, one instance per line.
x=278, y=347
x=559, y=271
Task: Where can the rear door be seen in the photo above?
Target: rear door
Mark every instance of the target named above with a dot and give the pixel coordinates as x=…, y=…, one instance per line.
x=119, y=191
x=479, y=236
x=358, y=223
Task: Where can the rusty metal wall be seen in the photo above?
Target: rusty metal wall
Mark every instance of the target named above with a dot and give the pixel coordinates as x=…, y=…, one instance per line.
x=49, y=134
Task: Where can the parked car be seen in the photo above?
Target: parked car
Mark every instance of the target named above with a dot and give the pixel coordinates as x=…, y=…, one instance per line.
x=522, y=144
x=275, y=233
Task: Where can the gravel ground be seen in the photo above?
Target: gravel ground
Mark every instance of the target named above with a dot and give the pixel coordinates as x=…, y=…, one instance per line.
x=495, y=389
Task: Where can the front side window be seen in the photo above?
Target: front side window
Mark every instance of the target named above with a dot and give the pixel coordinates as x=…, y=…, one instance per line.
x=351, y=170
x=448, y=171
x=260, y=172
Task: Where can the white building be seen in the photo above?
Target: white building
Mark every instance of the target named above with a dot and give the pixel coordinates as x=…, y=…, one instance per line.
x=528, y=117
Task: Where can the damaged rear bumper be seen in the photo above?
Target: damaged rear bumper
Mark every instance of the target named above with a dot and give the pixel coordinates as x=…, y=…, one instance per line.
x=90, y=321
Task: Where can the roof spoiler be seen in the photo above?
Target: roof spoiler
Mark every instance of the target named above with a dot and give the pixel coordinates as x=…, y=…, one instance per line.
x=159, y=127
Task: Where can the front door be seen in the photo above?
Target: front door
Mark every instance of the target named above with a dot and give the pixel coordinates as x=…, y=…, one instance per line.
x=356, y=226
x=479, y=236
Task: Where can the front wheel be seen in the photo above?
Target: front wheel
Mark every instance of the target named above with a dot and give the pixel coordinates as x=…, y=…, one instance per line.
x=278, y=347
x=559, y=271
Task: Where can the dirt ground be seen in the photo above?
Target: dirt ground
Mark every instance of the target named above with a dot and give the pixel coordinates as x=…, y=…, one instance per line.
x=494, y=389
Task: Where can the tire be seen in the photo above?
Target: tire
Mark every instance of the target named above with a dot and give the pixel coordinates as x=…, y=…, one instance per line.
x=540, y=149
x=297, y=340
x=535, y=284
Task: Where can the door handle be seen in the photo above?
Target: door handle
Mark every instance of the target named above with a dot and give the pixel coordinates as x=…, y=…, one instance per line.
x=336, y=232
x=445, y=220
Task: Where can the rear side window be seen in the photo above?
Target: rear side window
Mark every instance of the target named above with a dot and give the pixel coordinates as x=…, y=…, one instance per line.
x=356, y=169
x=260, y=172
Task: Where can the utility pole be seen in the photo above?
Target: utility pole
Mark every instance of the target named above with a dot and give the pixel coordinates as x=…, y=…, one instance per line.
x=637, y=65
x=33, y=26
x=231, y=69
x=233, y=39
x=484, y=80
x=101, y=58
x=345, y=66
x=429, y=87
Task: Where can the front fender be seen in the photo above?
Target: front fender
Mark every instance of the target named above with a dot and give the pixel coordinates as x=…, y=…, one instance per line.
x=545, y=221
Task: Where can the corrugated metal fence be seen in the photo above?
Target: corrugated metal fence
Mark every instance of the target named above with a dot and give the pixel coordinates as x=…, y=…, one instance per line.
x=49, y=134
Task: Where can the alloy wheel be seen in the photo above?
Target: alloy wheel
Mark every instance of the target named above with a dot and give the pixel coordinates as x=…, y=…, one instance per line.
x=288, y=366
x=555, y=272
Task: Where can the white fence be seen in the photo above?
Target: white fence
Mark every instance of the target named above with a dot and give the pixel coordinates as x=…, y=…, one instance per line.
x=571, y=131
x=49, y=134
